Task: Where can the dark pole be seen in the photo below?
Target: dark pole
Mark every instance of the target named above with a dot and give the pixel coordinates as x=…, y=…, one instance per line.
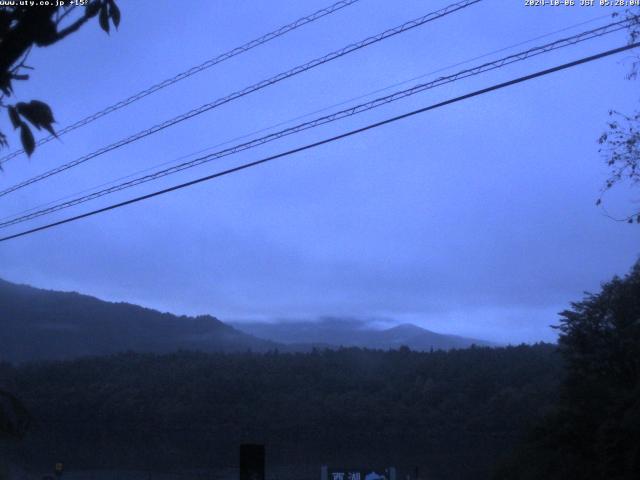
x=252, y=462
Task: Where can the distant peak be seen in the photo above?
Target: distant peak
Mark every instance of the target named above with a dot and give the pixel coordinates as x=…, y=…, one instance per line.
x=407, y=328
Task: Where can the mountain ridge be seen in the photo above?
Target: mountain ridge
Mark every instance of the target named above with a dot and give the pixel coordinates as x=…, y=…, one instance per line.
x=39, y=324
x=349, y=332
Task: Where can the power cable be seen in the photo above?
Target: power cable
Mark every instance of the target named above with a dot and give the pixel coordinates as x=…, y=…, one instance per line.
x=328, y=140
x=299, y=117
x=246, y=91
x=486, y=67
x=190, y=72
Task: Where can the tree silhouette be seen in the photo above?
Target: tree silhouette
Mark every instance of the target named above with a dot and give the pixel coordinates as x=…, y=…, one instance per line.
x=22, y=28
x=14, y=418
x=600, y=341
x=14, y=421
x=620, y=144
x=594, y=431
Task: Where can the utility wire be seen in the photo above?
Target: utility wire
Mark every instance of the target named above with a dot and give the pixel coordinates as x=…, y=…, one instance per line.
x=299, y=117
x=486, y=67
x=246, y=91
x=192, y=71
x=350, y=133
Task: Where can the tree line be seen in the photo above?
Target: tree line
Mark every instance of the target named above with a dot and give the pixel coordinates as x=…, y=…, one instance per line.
x=454, y=414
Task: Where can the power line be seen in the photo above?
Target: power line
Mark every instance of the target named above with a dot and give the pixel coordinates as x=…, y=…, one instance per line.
x=258, y=86
x=192, y=71
x=299, y=117
x=486, y=67
x=330, y=139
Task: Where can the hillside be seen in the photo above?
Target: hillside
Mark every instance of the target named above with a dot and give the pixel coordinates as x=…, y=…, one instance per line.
x=37, y=324
x=41, y=324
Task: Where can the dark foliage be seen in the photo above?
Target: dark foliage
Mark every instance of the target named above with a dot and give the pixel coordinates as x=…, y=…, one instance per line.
x=21, y=28
x=595, y=430
x=40, y=324
x=14, y=418
x=453, y=413
x=621, y=148
x=620, y=143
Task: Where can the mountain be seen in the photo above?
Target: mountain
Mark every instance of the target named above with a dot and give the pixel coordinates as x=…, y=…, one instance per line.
x=40, y=324
x=335, y=332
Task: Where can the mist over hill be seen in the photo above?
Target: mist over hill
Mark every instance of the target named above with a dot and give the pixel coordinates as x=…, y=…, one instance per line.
x=37, y=324
x=353, y=332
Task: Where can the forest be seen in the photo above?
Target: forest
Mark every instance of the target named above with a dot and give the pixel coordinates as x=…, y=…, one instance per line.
x=453, y=413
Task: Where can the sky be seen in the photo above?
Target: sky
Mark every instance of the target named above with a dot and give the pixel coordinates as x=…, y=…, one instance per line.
x=475, y=219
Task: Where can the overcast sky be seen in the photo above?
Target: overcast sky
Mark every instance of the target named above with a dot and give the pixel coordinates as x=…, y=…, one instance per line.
x=475, y=219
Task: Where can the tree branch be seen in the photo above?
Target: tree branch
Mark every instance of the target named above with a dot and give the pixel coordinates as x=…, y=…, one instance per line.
x=71, y=28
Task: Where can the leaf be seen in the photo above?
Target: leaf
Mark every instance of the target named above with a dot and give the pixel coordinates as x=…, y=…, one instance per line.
x=51, y=130
x=15, y=118
x=26, y=137
x=104, y=18
x=6, y=87
x=114, y=13
x=44, y=111
x=45, y=32
x=45, y=114
x=92, y=9
x=38, y=113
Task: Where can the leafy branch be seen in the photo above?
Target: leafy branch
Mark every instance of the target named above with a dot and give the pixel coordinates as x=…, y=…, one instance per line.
x=22, y=28
x=620, y=144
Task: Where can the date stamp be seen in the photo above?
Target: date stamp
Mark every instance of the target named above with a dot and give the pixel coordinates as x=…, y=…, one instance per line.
x=582, y=3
